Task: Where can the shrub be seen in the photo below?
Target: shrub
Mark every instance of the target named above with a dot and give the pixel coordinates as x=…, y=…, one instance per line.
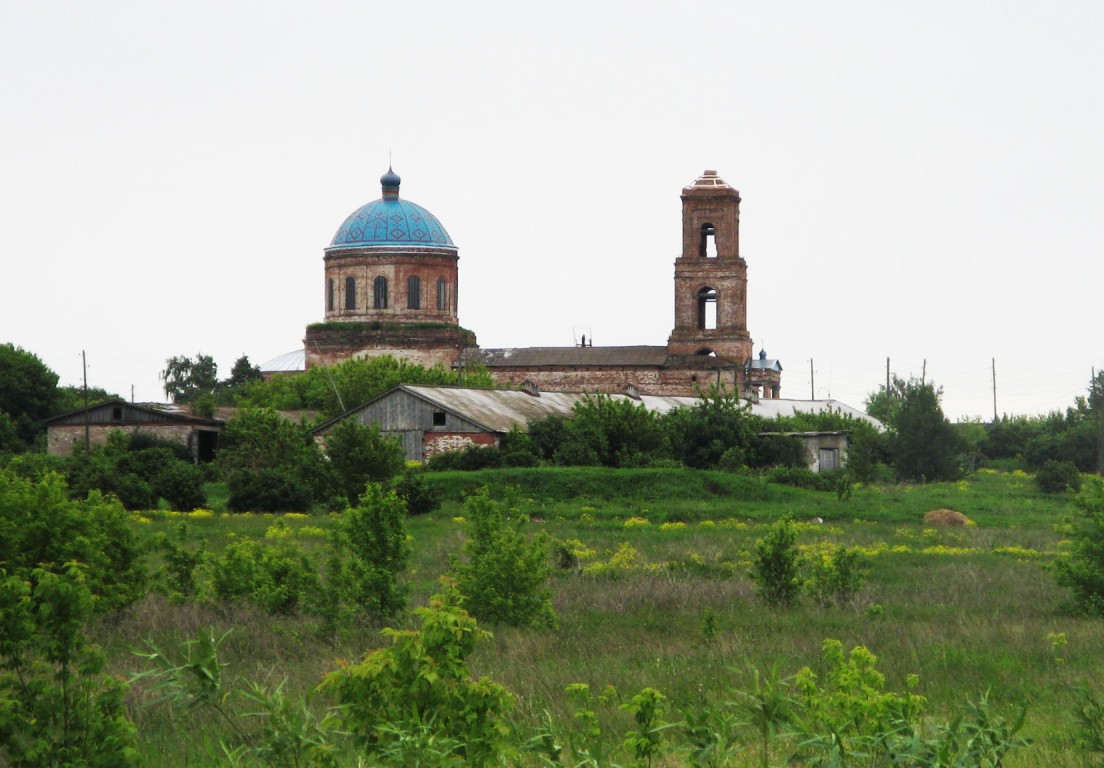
x=278, y=578
x=59, y=707
x=369, y=548
x=421, y=684
x=776, y=565
x=41, y=527
x=803, y=477
x=1058, y=477
x=1083, y=570
x=267, y=490
x=467, y=460
x=419, y=498
x=503, y=576
x=836, y=574
x=360, y=455
x=181, y=485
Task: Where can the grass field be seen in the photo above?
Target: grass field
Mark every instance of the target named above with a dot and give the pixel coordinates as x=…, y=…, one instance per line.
x=661, y=598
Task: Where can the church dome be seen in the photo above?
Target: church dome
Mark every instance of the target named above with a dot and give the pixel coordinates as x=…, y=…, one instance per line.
x=390, y=221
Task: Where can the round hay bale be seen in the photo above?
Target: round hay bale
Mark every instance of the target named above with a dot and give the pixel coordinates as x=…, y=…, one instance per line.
x=946, y=517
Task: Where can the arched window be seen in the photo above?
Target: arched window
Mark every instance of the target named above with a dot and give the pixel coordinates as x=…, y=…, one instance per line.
x=707, y=309
x=379, y=293
x=350, y=293
x=442, y=293
x=708, y=241
x=414, y=292
x=330, y=295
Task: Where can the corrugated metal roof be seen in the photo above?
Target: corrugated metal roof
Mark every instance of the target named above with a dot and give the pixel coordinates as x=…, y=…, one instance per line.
x=289, y=362
x=498, y=410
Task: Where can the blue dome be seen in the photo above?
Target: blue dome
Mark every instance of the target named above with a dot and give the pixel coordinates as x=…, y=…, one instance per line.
x=391, y=221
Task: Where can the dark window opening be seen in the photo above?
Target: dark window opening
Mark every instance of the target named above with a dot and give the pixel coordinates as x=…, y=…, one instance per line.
x=350, y=293
x=707, y=309
x=707, y=352
x=442, y=294
x=414, y=292
x=708, y=241
x=379, y=293
x=330, y=295
x=116, y=414
x=439, y=418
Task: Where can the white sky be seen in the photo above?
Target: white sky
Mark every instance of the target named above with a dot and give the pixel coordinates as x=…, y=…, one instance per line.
x=921, y=180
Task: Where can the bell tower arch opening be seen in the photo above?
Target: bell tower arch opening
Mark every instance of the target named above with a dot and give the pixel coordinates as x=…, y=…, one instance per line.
x=710, y=275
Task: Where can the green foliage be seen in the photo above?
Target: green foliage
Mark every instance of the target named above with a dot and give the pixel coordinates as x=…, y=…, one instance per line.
x=925, y=446
x=42, y=528
x=369, y=548
x=1058, y=477
x=845, y=710
x=1082, y=570
x=28, y=395
x=468, y=460
x=57, y=707
x=721, y=423
x=776, y=566
x=835, y=575
x=645, y=743
x=279, y=578
x=186, y=379
x=767, y=708
x=359, y=455
x=618, y=433
x=421, y=684
x=271, y=464
x=503, y=575
x=803, y=477
x=420, y=498
x=357, y=380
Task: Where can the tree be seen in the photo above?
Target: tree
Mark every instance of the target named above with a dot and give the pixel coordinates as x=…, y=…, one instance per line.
x=186, y=379
x=720, y=427
x=243, y=372
x=369, y=550
x=28, y=394
x=925, y=446
x=271, y=464
x=1083, y=570
x=42, y=528
x=360, y=455
x=618, y=433
x=776, y=567
x=504, y=575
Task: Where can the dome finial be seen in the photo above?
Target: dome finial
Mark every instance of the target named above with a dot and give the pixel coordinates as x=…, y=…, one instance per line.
x=390, y=183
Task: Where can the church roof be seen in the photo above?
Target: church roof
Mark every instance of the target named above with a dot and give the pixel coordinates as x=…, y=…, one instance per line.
x=592, y=357
x=390, y=221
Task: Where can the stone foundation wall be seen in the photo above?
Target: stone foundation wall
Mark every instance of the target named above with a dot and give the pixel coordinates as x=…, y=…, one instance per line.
x=65, y=440
x=443, y=442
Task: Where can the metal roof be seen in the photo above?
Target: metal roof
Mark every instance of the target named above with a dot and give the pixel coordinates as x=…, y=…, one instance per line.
x=289, y=362
x=498, y=410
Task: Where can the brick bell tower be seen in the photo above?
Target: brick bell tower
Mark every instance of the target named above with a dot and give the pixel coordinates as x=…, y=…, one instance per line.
x=710, y=276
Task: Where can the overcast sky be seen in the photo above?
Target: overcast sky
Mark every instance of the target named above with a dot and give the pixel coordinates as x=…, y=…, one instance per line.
x=921, y=180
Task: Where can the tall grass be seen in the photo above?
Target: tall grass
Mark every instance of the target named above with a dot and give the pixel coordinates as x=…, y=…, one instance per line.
x=969, y=609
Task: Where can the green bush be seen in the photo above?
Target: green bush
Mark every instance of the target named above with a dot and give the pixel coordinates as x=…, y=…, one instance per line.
x=419, y=497
x=359, y=455
x=835, y=575
x=503, y=575
x=421, y=685
x=776, y=566
x=467, y=460
x=267, y=490
x=1058, y=477
x=803, y=477
x=1083, y=570
x=181, y=485
x=41, y=527
x=369, y=549
x=59, y=708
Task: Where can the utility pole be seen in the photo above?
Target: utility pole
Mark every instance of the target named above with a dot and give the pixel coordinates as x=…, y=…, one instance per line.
x=887, y=376
x=1096, y=402
x=87, y=416
x=994, y=390
x=924, y=372
x=812, y=381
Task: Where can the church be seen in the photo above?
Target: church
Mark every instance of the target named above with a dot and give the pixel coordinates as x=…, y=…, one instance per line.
x=390, y=288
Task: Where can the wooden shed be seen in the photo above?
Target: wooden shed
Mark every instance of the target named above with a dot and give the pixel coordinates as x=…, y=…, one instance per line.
x=68, y=433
